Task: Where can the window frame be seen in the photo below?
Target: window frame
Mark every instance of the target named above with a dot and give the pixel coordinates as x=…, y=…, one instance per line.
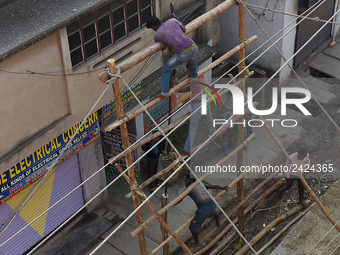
x=112, y=26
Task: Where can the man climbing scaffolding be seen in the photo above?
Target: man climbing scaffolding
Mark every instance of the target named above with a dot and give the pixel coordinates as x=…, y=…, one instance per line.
x=205, y=207
x=171, y=33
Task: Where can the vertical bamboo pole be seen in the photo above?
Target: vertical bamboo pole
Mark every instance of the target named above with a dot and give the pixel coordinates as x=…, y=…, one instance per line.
x=242, y=53
x=155, y=213
x=125, y=138
x=166, y=247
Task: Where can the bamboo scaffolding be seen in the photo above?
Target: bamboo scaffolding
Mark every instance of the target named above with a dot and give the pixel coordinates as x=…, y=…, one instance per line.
x=154, y=177
x=241, y=54
x=155, y=212
x=265, y=230
x=144, y=54
x=283, y=230
x=192, y=217
x=149, y=138
x=181, y=85
x=171, y=204
x=164, y=171
x=225, y=242
x=129, y=161
x=322, y=208
x=235, y=221
x=166, y=249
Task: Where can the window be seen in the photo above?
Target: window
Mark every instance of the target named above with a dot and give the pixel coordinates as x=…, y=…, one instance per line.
x=97, y=31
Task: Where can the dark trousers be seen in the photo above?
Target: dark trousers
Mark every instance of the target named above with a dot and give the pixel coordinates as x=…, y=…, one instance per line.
x=289, y=184
x=152, y=170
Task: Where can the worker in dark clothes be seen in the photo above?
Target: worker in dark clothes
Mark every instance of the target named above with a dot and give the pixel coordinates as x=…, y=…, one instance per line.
x=205, y=207
x=171, y=33
x=152, y=159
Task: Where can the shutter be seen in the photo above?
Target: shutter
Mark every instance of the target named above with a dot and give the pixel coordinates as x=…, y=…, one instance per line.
x=307, y=28
x=61, y=182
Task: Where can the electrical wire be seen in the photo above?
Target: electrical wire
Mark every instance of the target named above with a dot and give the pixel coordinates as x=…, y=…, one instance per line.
x=184, y=163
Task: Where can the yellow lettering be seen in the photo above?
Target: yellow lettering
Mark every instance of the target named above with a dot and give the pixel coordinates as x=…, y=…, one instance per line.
x=70, y=133
x=39, y=155
x=33, y=158
x=90, y=120
x=11, y=174
x=65, y=139
x=22, y=166
x=43, y=151
x=95, y=116
x=53, y=146
x=75, y=128
x=85, y=124
x=3, y=178
x=17, y=171
x=48, y=150
x=81, y=128
x=28, y=162
x=58, y=143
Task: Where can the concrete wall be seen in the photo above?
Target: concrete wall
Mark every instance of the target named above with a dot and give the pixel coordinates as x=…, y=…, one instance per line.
x=229, y=32
x=91, y=160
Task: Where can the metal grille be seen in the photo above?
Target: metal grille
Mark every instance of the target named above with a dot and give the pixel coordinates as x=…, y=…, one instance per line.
x=120, y=188
x=307, y=28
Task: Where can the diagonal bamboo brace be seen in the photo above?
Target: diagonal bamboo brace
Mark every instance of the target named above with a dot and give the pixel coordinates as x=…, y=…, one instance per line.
x=155, y=213
x=230, y=155
x=322, y=208
x=171, y=204
x=181, y=85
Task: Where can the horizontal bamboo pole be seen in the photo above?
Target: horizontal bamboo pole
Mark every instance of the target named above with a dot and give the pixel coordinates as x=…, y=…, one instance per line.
x=181, y=85
x=283, y=230
x=154, y=177
x=265, y=230
x=155, y=213
x=192, y=217
x=171, y=204
x=144, y=54
x=246, y=211
x=149, y=138
x=310, y=191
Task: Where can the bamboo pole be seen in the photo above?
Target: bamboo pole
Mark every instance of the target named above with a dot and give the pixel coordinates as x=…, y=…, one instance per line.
x=149, y=138
x=282, y=231
x=129, y=161
x=192, y=217
x=246, y=211
x=155, y=212
x=144, y=54
x=166, y=249
x=322, y=208
x=265, y=230
x=171, y=204
x=154, y=177
x=241, y=54
x=226, y=241
x=181, y=85
x=238, y=206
